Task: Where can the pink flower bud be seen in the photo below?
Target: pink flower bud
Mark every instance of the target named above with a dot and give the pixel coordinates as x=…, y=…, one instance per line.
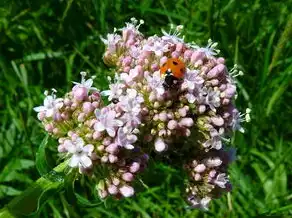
x=154, y=67
x=49, y=127
x=112, y=189
x=62, y=148
x=104, y=159
x=214, y=82
x=112, y=158
x=128, y=177
x=163, y=60
x=163, y=116
x=226, y=101
x=188, y=54
x=160, y=145
x=218, y=121
x=200, y=168
x=134, y=167
x=87, y=107
x=127, y=69
x=107, y=141
x=222, y=87
x=197, y=177
x=41, y=116
x=81, y=117
x=220, y=60
x=57, y=116
x=197, y=55
x=65, y=116
x=202, y=109
x=127, y=191
x=126, y=61
x=187, y=132
x=179, y=47
x=112, y=148
x=172, y=124
x=230, y=91
x=102, y=193
x=96, y=135
x=170, y=115
x=115, y=181
x=215, y=71
x=186, y=122
x=175, y=54
x=67, y=102
x=55, y=131
x=182, y=112
x=162, y=132
x=80, y=93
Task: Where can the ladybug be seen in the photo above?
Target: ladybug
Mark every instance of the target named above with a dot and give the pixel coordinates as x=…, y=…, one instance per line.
x=173, y=71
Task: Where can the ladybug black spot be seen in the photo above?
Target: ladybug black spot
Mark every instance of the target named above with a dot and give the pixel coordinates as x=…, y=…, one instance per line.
x=175, y=63
x=181, y=70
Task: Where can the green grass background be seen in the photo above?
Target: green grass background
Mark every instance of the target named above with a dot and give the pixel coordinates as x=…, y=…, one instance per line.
x=46, y=43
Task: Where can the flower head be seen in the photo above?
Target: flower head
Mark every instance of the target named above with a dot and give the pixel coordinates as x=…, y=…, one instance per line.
x=51, y=105
x=107, y=121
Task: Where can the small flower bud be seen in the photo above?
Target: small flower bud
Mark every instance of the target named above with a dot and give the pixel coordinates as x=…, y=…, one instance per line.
x=200, y=168
x=218, y=121
x=128, y=177
x=80, y=93
x=186, y=122
x=112, y=189
x=172, y=124
x=134, y=167
x=160, y=145
x=127, y=191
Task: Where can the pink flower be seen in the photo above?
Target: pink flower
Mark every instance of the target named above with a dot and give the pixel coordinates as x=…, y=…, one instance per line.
x=125, y=138
x=127, y=191
x=107, y=121
x=156, y=83
x=80, y=154
x=51, y=105
x=192, y=79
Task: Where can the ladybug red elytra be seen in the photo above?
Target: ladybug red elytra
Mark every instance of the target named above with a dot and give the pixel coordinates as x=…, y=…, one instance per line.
x=173, y=70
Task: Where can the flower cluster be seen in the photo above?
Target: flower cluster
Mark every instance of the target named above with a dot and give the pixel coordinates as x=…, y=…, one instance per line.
x=194, y=119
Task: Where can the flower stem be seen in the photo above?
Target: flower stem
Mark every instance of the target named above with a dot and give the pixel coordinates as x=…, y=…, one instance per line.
x=31, y=199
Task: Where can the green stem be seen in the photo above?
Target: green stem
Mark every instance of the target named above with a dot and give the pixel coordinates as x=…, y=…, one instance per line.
x=32, y=198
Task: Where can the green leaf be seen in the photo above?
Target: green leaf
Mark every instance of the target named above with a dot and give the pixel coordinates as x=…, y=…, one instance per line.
x=41, y=159
x=8, y=191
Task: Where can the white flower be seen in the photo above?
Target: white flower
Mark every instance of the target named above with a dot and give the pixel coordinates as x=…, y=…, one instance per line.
x=115, y=91
x=192, y=79
x=221, y=180
x=51, y=105
x=154, y=44
x=174, y=34
x=111, y=41
x=125, y=138
x=107, y=121
x=156, y=83
x=85, y=83
x=210, y=50
x=80, y=154
x=212, y=99
x=190, y=97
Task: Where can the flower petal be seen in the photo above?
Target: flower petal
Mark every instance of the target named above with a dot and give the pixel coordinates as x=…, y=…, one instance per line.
x=85, y=161
x=74, y=161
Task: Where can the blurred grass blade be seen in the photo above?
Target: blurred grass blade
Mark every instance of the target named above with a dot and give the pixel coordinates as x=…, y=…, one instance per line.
x=32, y=198
x=41, y=158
